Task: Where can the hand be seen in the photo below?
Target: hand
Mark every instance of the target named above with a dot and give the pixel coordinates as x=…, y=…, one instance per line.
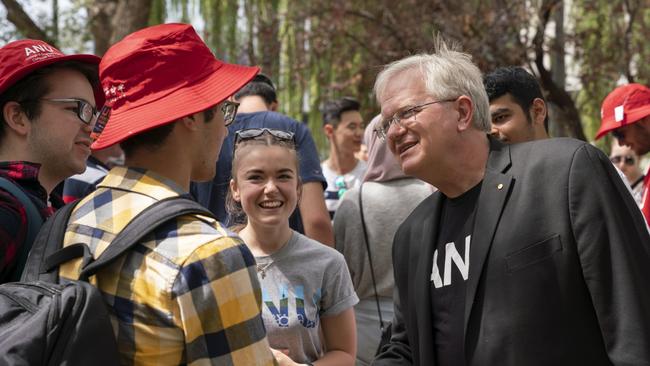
x=282, y=358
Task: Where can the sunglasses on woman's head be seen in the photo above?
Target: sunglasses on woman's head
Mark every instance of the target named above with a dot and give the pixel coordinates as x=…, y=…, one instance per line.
x=253, y=133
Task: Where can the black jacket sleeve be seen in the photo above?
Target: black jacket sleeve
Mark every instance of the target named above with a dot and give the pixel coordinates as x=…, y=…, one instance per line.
x=612, y=242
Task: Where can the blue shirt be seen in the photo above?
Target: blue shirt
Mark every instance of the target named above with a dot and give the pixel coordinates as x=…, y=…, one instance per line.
x=213, y=194
x=80, y=185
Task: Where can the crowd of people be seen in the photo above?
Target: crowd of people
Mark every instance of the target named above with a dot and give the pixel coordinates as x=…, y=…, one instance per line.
x=462, y=235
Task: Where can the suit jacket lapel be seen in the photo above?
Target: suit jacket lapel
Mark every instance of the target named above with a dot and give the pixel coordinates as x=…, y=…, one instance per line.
x=492, y=199
x=423, y=256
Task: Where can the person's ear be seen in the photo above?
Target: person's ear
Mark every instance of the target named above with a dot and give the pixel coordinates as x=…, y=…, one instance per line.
x=328, y=129
x=191, y=122
x=234, y=190
x=16, y=118
x=538, y=111
x=273, y=106
x=465, y=112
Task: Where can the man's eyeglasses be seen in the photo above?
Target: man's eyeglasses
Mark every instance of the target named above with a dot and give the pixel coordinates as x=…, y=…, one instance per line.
x=401, y=116
x=229, y=110
x=86, y=112
x=629, y=160
x=252, y=133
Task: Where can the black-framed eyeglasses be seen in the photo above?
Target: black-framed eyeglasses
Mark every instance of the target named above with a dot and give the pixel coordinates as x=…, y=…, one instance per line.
x=627, y=159
x=229, y=110
x=85, y=111
x=252, y=133
x=404, y=115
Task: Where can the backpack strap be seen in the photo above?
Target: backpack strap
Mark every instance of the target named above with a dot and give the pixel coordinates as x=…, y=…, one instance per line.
x=34, y=222
x=48, y=241
x=141, y=225
x=372, y=268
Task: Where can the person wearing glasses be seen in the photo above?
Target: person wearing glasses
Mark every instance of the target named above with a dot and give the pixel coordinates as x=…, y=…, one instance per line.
x=48, y=105
x=307, y=293
x=625, y=112
x=628, y=162
x=344, y=127
x=517, y=106
x=528, y=254
x=187, y=293
x=257, y=109
x=385, y=189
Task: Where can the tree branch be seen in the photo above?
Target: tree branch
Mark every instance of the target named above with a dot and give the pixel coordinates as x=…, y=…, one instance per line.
x=24, y=24
x=392, y=30
x=632, y=12
x=379, y=57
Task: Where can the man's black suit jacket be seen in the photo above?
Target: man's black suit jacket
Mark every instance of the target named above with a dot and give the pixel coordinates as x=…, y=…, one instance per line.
x=559, y=266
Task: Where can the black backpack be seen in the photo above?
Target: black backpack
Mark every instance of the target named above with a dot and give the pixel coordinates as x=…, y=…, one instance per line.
x=46, y=322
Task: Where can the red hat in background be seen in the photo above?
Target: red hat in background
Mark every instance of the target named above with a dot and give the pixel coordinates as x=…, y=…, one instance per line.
x=20, y=58
x=160, y=74
x=625, y=105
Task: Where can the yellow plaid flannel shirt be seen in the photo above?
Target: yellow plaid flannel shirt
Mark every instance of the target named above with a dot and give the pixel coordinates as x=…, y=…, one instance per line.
x=187, y=294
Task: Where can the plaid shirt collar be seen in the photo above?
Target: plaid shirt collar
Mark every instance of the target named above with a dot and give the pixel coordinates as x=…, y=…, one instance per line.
x=25, y=174
x=142, y=181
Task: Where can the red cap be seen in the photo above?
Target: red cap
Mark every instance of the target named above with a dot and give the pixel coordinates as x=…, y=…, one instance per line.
x=160, y=74
x=626, y=104
x=19, y=58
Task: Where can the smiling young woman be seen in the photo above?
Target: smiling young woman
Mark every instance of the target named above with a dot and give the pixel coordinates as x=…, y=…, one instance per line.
x=306, y=285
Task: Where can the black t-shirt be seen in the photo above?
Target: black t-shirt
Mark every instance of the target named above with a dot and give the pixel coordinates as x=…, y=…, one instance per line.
x=449, y=276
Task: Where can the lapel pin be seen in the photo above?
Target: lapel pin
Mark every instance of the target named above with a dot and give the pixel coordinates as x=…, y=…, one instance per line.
x=500, y=186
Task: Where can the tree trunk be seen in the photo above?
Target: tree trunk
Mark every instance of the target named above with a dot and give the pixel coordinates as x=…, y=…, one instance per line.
x=100, y=13
x=556, y=94
x=558, y=74
x=130, y=16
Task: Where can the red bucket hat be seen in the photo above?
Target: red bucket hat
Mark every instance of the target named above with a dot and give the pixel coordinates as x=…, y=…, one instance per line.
x=625, y=105
x=20, y=58
x=160, y=74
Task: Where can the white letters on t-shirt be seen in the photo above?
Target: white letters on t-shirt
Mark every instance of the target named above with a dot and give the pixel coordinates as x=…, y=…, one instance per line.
x=451, y=254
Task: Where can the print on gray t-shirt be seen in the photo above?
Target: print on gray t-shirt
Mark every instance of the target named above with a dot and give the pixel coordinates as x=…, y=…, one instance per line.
x=302, y=282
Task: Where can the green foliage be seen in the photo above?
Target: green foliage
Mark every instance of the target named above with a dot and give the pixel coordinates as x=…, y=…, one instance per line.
x=158, y=12
x=610, y=40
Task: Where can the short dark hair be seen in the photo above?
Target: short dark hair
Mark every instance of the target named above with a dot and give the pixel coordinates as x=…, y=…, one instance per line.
x=155, y=137
x=30, y=89
x=260, y=86
x=149, y=139
x=332, y=110
x=519, y=83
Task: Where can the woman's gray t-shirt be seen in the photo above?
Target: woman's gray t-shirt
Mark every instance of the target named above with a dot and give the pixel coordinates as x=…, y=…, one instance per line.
x=302, y=282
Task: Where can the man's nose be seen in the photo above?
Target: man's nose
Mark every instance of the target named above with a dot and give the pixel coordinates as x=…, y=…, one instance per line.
x=395, y=132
